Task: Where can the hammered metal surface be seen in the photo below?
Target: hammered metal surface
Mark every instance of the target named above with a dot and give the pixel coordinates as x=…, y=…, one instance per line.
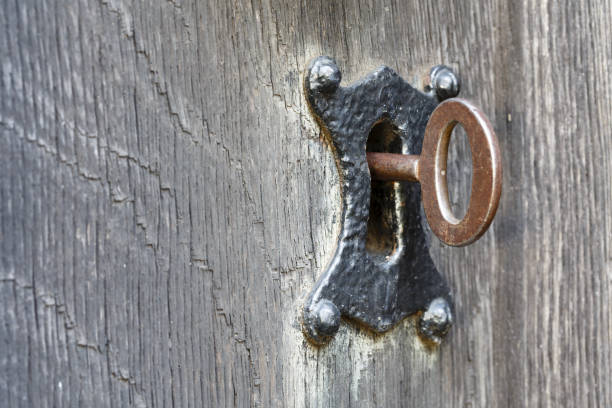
x=376, y=288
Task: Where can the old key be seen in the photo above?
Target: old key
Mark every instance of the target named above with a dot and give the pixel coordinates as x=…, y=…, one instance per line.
x=429, y=169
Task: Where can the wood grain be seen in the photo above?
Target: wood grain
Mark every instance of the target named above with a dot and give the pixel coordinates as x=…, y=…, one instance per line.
x=167, y=202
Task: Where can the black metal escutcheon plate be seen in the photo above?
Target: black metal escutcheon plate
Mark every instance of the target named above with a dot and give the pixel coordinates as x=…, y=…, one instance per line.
x=376, y=285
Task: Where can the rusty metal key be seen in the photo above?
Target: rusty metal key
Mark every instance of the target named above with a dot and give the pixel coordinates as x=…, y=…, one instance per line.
x=429, y=169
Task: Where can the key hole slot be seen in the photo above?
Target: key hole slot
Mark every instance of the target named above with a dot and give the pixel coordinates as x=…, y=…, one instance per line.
x=383, y=229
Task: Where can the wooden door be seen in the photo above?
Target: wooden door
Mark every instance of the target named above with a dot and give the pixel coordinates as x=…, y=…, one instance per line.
x=167, y=202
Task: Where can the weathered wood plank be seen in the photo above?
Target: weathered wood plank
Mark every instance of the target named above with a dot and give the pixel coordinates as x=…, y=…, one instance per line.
x=167, y=201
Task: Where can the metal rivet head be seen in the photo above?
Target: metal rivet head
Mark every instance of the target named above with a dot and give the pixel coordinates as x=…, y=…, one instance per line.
x=327, y=318
x=324, y=75
x=322, y=321
x=444, y=82
x=436, y=320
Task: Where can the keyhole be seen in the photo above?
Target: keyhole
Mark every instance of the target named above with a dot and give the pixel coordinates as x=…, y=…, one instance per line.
x=382, y=223
x=459, y=172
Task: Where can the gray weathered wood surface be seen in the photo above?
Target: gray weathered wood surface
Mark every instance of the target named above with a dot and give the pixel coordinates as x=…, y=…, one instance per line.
x=166, y=202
